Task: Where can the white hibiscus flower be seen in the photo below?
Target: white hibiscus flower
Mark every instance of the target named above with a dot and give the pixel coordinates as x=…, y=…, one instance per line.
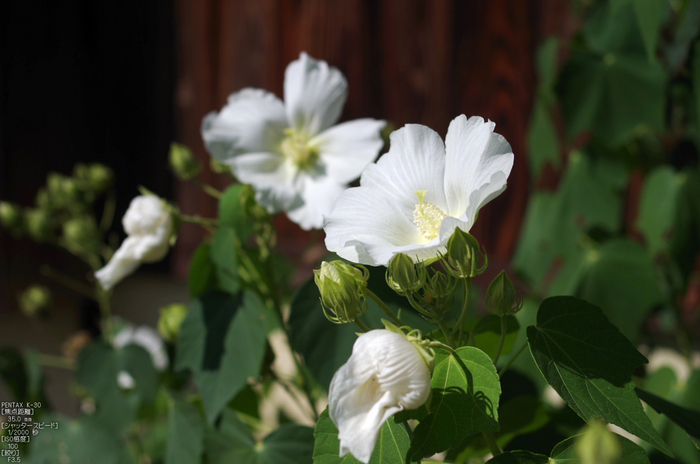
x=288, y=151
x=385, y=374
x=417, y=194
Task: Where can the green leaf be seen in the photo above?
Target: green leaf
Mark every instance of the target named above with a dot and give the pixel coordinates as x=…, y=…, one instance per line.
x=685, y=244
x=487, y=334
x=657, y=207
x=519, y=457
x=222, y=340
x=85, y=440
x=535, y=250
x=99, y=366
x=589, y=364
x=202, y=277
x=611, y=94
x=392, y=444
x=688, y=419
x=185, y=434
x=225, y=257
x=542, y=140
x=547, y=61
x=21, y=375
x=630, y=452
x=466, y=391
x=650, y=15
x=696, y=77
x=231, y=213
x=289, y=444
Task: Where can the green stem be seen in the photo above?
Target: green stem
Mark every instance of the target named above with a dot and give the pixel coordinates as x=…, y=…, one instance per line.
x=491, y=442
x=208, y=189
x=466, y=292
x=105, y=313
x=108, y=211
x=67, y=281
x=56, y=361
x=198, y=220
x=387, y=310
x=504, y=328
x=512, y=359
x=361, y=325
x=446, y=332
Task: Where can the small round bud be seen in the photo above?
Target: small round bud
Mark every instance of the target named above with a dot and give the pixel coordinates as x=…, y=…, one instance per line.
x=11, y=217
x=183, y=162
x=405, y=277
x=342, y=290
x=35, y=301
x=597, y=445
x=81, y=234
x=464, y=257
x=501, y=298
x=62, y=191
x=94, y=177
x=39, y=224
x=171, y=318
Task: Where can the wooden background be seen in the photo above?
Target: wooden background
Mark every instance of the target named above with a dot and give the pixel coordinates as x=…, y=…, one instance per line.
x=406, y=61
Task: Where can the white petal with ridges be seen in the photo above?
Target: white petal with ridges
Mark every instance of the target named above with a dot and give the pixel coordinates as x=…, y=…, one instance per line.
x=318, y=195
x=252, y=121
x=347, y=148
x=314, y=94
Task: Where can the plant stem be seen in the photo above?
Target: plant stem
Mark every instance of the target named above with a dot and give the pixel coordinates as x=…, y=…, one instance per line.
x=491, y=442
x=56, y=361
x=511, y=360
x=504, y=328
x=67, y=281
x=387, y=310
x=446, y=332
x=108, y=211
x=198, y=220
x=105, y=313
x=208, y=189
x=466, y=292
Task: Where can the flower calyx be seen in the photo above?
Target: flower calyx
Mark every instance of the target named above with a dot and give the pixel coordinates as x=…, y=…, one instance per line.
x=502, y=298
x=424, y=346
x=342, y=290
x=404, y=276
x=465, y=258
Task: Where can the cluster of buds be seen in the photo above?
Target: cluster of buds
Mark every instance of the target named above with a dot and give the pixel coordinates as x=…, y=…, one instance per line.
x=465, y=258
x=502, y=299
x=183, y=162
x=342, y=287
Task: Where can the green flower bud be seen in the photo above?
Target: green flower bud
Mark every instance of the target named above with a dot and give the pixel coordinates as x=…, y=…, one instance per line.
x=171, y=318
x=501, y=298
x=11, y=217
x=61, y=191
x=35, y=301
x=342, y=290
x=183, y=162
x=94, y=177
x=405, y=277
x=219, y=168
x=39, y=224
x=597, y=445
x=464, y=256
x=43, y=200
x=81, y=234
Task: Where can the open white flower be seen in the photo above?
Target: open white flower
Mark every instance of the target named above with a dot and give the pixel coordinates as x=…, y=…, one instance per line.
x=288, y=151
x=417, y=194
x=385, y=374
x=148, y=225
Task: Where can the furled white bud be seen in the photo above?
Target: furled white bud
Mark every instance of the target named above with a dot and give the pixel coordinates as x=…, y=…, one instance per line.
x=385, y=374
x=148, y=224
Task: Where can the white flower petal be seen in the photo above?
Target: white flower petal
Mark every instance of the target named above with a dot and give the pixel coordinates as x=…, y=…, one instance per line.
x=415, y=161
x=318, y=196
x=314, y=94
x=385, y=374
x=367, y=218
x=252, y=121
x=478, y=160
x=272, y=176
x=347, y=148
x=121, y=265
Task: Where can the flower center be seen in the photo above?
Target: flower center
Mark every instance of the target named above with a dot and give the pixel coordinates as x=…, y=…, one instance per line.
x=427, y=217
x=295, y=147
